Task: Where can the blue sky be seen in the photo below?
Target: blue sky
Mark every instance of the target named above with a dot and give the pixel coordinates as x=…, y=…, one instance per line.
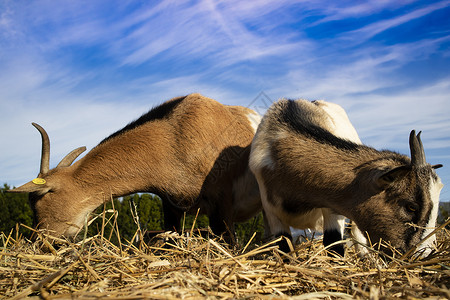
x=84, y=69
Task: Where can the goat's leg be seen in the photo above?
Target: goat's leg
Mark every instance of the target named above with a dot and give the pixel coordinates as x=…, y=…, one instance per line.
x=276, y=227
x=333, y=230
x=360, y=239
x=172, y=216
x=220, y=214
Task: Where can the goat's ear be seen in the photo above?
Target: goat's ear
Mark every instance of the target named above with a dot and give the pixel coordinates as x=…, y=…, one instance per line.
x=387, y=178
x=38, y=185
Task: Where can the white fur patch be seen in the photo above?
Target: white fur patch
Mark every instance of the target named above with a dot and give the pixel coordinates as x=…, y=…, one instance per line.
x=340, y=123
x=260, y=158
x=254, y=119
x=435, y=190
x=360, y=239
x=333, y=221
x=312, y=219
x=260, y=155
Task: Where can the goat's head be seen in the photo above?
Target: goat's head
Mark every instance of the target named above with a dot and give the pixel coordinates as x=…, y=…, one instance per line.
x=54, y=196
x=403, y=206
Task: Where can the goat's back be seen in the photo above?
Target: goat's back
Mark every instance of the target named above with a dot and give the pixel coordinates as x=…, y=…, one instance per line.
x=175, y=147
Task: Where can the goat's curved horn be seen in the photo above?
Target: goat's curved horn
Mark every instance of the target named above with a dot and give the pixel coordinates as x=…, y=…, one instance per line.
x=69, y=158
x=45, y=155
x=416, y=147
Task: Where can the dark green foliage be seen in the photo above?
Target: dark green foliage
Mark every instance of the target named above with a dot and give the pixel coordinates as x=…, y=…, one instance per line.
x=244, y=231
x=145, y=210
x=14, y=208
x=150, y=212
x=202, y=221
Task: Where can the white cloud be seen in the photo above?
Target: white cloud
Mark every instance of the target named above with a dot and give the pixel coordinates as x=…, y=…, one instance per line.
x=386, y=118
x=207, y=30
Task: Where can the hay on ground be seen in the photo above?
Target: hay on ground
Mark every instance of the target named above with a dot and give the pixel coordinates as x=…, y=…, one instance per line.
x=190, y=266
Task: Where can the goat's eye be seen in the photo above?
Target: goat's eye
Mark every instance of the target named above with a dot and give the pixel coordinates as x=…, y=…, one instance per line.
x=411, y=207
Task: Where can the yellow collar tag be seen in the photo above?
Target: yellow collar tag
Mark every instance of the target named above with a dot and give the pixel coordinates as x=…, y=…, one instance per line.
x=39, y=181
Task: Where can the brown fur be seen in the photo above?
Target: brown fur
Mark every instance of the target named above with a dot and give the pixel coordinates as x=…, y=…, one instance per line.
x=190, y=158
x=309, y=168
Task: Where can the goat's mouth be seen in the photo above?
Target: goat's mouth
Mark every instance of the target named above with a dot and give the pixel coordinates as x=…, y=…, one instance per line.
x=59, y=230
x=72, y=230
x=388, y=248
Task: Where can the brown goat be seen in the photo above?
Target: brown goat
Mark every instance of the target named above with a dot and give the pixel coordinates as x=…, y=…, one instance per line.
x=301, y=166
x=191, y=151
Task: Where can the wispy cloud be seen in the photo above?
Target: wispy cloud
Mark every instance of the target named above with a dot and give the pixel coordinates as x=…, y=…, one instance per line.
x=206, y=30
x=335, y=11
x=369, y=31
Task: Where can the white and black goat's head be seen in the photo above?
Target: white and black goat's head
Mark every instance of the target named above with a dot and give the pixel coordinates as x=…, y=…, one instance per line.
x=402, y=204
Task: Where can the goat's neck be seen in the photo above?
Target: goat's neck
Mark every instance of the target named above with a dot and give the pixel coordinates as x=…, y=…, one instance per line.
x=347, y=173
x=111, y=177
x=121, y=169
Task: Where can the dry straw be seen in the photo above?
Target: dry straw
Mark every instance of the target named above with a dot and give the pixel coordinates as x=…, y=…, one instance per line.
x=189, y=266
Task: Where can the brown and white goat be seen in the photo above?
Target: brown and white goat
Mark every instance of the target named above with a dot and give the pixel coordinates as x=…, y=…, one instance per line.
x=307, y=158
x=191, y=151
